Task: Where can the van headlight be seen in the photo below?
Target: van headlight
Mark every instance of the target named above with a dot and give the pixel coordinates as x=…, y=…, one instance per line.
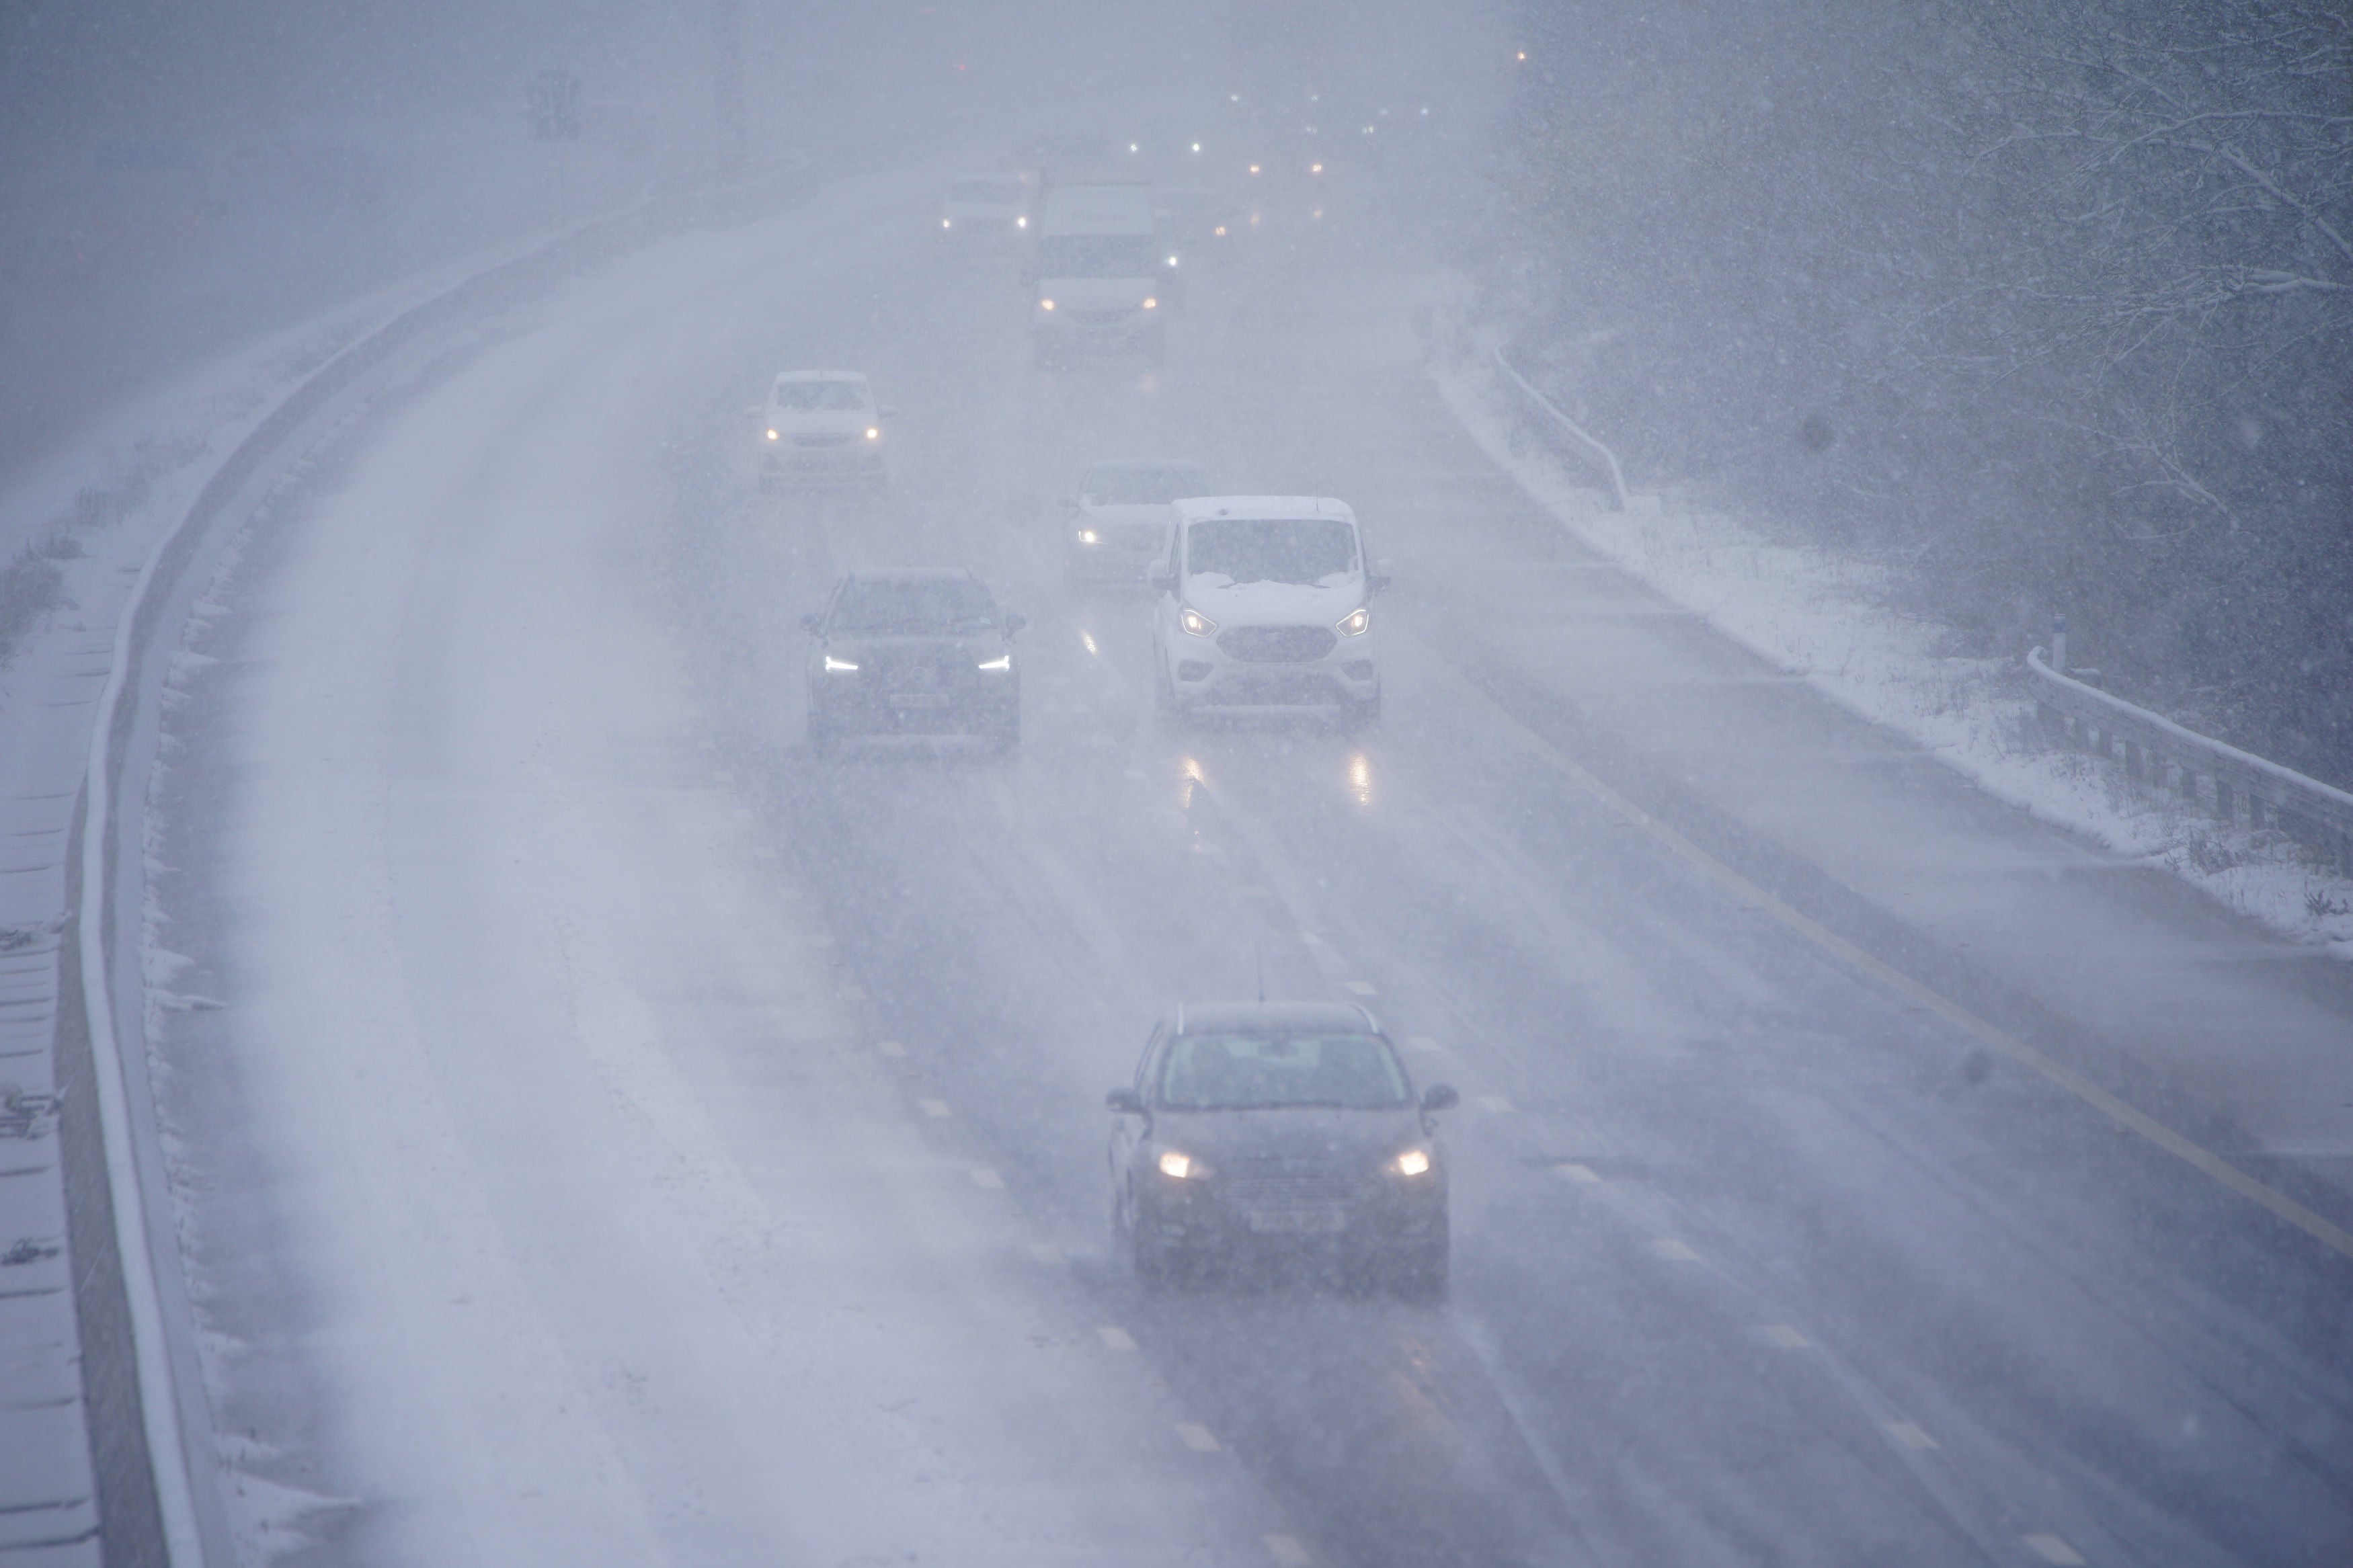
x=1194, y=623
x=1414, y=1161
x=772, y=435
x=1356, y=622
x=1182, y=1167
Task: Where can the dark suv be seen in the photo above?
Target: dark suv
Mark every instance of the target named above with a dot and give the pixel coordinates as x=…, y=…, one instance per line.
x=1280, y=1129
x=914, y=653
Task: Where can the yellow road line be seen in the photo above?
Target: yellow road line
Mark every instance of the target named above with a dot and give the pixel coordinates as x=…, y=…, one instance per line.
x=2328, y=1235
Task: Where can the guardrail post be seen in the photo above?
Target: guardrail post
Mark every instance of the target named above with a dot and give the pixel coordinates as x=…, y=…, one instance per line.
x=2059, y=644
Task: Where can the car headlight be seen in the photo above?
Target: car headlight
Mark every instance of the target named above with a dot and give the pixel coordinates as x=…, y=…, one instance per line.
x=873, y=433
x=1194, y=623
x=772, y=435
x=1412, y=1162
x=1172, y=261
x=1356, y=622
x=1182, y=1167
x=839, y=665
x=1021, y=223
x=1151, y=304
x=947, y=223
x=1002, y=661
x=1089, y=536
x=1045, y=304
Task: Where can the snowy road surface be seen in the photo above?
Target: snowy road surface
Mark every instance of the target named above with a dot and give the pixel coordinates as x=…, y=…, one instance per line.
x=627, y=1139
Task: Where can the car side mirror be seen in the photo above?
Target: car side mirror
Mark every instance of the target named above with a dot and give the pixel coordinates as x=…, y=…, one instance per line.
x=813, y=624
x=1014, y=623
x=1383, y=573
x=1439, y=1097
x=1126, y=1101
x=1161, y=577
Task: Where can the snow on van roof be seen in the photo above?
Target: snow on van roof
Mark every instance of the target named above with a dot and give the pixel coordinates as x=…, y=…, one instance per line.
x=1199, y=508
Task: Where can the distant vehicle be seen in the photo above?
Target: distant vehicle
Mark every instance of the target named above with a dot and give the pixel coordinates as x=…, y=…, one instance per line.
x=1097, y=274
x=1279, y=1129
x=1265, y=604
x=820, y=425
x=1119, y=521
x=992, y=205
x=913, y=652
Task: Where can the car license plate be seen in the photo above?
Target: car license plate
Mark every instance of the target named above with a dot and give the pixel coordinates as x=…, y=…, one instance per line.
x=1298, y=1222
x=919, y=699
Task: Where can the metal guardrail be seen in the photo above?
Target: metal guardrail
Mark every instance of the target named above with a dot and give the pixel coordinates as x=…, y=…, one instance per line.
x=2235, y=785
x=1586, y=444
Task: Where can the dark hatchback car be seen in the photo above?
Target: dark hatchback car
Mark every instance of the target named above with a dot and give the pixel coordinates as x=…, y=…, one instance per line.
x=914, y=653
x=1275, y=1130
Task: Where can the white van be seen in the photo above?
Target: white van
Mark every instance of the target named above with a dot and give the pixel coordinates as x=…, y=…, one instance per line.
x=1096, y=274
x=1266, y=604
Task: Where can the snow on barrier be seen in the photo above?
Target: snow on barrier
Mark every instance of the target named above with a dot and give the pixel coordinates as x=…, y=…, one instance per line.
x=1586, y=446
x=173, y=1427
x=2235, y=785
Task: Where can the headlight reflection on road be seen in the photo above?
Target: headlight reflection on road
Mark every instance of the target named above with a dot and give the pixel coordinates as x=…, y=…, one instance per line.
x=1087, y=639
x=1360, y=777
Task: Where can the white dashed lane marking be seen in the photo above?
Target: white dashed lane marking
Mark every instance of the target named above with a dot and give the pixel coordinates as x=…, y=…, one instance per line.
x=982, y=1176
x=1116, y=1337
x=1286, y=1552
x=1197, y=1436
x=1673, y=1251
x=1361, y=988
x=891, y=1049
x=1787, y=1338
x=934, y=1107
x=1573, y=1172
x=1908, y=1436
x=1495, y=1104
x=1046, y=1252
x=2053, y=1550
x=1422, y=1043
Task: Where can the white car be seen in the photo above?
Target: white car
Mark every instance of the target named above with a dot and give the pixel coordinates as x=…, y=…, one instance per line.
x=987, y=205
x=820, y=426
x=1117, y=525
x=1266, y=606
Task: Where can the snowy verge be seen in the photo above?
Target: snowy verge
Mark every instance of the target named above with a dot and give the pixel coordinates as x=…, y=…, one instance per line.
x=1832, y=619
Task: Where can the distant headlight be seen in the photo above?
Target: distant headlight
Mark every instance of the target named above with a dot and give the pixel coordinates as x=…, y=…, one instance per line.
x=1045, y=304
x=1002, y=661
x=1194, y=622
x=1150, y=303
x=1412, y=1162
x=1182, y=1167
x=1356, y=622
x=1021, y=223
x=1172, y=261
x=772, y=435
x=1089, y=536
x=839, y=665
x=945, y=223
x=873, y=433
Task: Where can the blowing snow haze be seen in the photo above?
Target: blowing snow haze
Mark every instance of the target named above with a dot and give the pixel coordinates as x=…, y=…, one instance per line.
x=1275, y=782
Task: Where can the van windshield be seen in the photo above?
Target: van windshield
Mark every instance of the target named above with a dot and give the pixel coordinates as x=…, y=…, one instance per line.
x=1095, y=255
x=1310, y=551
x=802, y=395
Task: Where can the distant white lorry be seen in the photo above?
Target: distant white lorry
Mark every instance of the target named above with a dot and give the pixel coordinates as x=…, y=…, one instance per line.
x=1097, y=276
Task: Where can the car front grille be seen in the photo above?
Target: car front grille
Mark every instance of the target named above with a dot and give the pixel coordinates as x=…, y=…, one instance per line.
x=1275, y=688
x=823, y=440
x=1277, y=645
x=1099, y=317
x=1323, y=1190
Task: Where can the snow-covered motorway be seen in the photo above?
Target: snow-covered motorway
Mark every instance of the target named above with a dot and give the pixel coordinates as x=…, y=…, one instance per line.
x=625, y=1138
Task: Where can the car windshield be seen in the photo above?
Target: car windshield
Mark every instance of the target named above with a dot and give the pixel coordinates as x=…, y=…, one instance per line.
x=1000, y=191
x=1261, y=1072
x=915, y=605
x=1308, y=551
x=1142, y=487
x=1097, y=255
x=832, y=395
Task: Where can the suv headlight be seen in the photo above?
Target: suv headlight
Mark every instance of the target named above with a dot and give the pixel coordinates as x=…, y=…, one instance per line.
x=1356, y=622
x=840, y=666
x=1414, y=1161
x=1182, y=1167
x=1194, y=623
